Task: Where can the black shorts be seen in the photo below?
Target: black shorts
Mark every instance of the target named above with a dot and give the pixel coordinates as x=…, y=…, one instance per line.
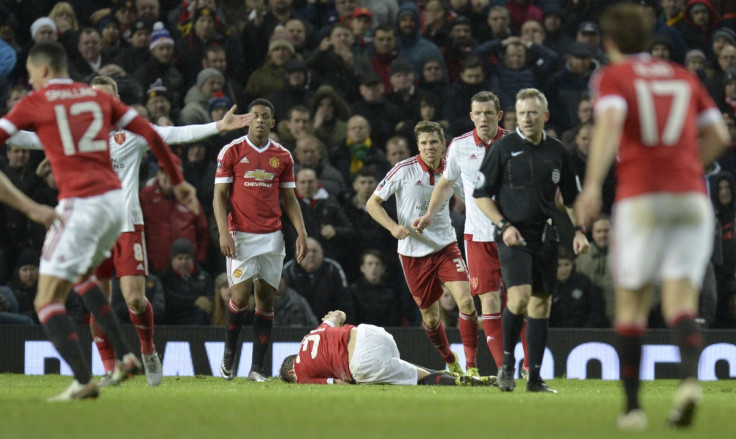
x=536, y=266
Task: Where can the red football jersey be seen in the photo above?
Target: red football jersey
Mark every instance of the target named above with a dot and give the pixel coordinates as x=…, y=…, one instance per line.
x=256, y=174
x=323, y=355
x=665, y=104
x=73, y=122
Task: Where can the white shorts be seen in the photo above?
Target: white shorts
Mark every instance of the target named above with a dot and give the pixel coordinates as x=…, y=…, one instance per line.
x=376, y=359
x=260, y=256
x=91, y=227
x=658, y=237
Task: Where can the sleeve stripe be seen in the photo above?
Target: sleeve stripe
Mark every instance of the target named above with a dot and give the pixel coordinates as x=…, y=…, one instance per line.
x=126, y=119
x=610, y=101
x=8, y=126
x=287, y=184
x=225, y=180
x=709, y=117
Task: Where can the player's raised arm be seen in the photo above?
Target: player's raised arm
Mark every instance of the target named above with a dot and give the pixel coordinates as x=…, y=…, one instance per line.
x=193, y=133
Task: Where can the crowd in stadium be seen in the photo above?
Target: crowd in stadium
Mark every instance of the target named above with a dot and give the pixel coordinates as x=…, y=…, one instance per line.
x=349, y=80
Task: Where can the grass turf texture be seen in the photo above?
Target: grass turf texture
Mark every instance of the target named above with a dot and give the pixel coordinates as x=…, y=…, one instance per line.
x=210, y=407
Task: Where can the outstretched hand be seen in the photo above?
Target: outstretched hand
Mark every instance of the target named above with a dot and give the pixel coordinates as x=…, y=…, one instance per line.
x=187, y=195
x=231, y=121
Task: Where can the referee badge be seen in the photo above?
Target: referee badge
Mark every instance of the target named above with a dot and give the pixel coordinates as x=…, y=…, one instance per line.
x=555, y=176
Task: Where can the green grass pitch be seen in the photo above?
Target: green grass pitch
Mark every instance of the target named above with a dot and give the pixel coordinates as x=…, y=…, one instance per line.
x=210, y=407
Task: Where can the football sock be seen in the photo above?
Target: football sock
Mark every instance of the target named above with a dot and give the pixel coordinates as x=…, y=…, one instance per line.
x=537, y=340
x=469, y=335
x=493, y=328
x=690, y=342
x=143, y=323
x=511, y=328
x=262, y=326
x=61, y=333
x=96, y=302
x=524, y=345
x=104, y=347
x=629, y=352
x=438, y=337
x=234, y=316
x=438, y=379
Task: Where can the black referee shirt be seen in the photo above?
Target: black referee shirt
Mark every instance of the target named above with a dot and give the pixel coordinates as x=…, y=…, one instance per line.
x=524, y=179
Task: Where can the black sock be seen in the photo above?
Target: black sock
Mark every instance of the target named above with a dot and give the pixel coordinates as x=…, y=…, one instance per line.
x=96, y=302
x=438, y=379
x=690, y=343
x=536, y=340
x=234, y=322
x=262, y=326
x=61, y=333
x=511, y=329
x=629, y=352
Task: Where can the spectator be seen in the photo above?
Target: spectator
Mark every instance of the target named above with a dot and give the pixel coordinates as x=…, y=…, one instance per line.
x=522, y=11
x=397, y=149
x=67, y=27
x=318, y=279
x=472, y=80
x=189, y=289
x=215, y=56
x=357, y=150
x=699, y=22
x=589, y=33
x=361, y=24
x=433, y=81
x=412, y=47
x=258, y=30
x=595, y=264
x=298, y=35
x=291, y=309
x=335, y=64
x=436, y=15
x=9, y=309
x=16, y=226
x=167, y=220
x=385, y=51
x=158, y=102
x=554, y=29
x=695, y=62
x=161, y=66
x=154, y=293
x=148, y=9
x=566, y=87
x=269, y=78
x=576, y=301
x=457, y=47
x=112, y=42
x=329, y=115
x=308, y=154
x=717, y=81
x=377, y=301
x=295, y=125
x=200, y=172
x=584, y=114
x=91, y=57
x=197, y=100
x=508, y=122
x=383, y=116
x=404, y=93
x=137, y=52
x=723, y=188
x=673, y=11
x=297, y=90
x=429, y=110
x=499, y=25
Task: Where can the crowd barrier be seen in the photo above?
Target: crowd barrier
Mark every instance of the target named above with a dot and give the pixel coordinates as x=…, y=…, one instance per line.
x=189, y=351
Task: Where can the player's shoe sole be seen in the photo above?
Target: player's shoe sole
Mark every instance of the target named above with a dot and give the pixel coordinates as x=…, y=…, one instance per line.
x=75, y=391
x=635, y=420
x=126, y=368
x=226, y=367
x=505, y=379
x=687, y=399
x=257, y=377
x=152, y=365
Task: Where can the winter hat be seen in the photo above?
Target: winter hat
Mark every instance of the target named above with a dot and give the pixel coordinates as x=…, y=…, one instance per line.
x=41, y=22
x=220, y=101
x=695, y=53
x=107, y=20
x=182, y=246
x=280, y=38
x=28, y=256
x=400, y=65
x=203, y=12
x=206, y=74
x=160, y=36
x=726, y=33
x=141, y=24
x=157, y=89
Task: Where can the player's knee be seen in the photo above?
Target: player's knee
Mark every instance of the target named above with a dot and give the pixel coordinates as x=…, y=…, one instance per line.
x=431, y=321
x=136, y=301
x=466, y=305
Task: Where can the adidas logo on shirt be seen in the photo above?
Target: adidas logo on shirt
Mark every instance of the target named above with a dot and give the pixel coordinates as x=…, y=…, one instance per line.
x=244, y=160
x=472, y=157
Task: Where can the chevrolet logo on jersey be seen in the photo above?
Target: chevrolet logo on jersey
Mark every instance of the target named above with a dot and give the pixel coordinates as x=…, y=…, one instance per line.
x=259, y=174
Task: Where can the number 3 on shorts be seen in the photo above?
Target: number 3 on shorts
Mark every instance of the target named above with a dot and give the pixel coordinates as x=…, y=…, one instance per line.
x=460, y=264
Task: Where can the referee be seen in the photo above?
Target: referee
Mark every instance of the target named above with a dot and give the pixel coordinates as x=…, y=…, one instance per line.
x=517, y=188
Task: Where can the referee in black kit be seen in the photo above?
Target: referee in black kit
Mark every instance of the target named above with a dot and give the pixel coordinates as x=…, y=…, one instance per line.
x=524, y=171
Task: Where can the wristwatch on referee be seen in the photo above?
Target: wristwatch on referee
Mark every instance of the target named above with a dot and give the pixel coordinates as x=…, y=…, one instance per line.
x=580, y=229
x=501, y=227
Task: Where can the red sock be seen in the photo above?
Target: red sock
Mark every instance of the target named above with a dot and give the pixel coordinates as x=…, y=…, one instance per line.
x=104, y=346
x=494, y=336
x=523, y=345
x=438, y=337
x=469, y=335
x=143, y=323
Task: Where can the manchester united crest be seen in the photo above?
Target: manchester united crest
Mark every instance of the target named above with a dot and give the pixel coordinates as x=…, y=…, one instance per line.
x=238, y=273
x=119, y=138
x=274, y=161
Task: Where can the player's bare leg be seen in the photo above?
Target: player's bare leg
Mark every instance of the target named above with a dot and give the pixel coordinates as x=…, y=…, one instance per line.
x=236, y=307
x=436, y=332
x=141, y=315
x=468, y=323
x=98, y=305
x=262, y=328
x=536, y=334
x=680, y=307
x=632, y=311
x=49, y=305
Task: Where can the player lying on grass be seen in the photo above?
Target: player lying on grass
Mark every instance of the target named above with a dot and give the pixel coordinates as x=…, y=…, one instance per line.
x=334, y=353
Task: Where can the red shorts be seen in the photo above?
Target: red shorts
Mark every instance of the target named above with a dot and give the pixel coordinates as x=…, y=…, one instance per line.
x=129, y=256
x=483, y=266
x=426, y=275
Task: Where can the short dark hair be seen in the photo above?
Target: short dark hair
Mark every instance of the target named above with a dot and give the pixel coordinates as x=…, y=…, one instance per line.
x=265, y=102
x=286, y=366
x=565, y=253
x=50, y=53
x=367, y=171
x=471, y=62
x=429, y=127
x=487, y=96
x=296, y=109
x=375, y=253
x=625, y=25
x=385, y=27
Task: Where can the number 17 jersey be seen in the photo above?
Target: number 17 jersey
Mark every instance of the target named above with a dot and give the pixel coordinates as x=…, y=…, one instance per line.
x=665, y=105
x=73, y=122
